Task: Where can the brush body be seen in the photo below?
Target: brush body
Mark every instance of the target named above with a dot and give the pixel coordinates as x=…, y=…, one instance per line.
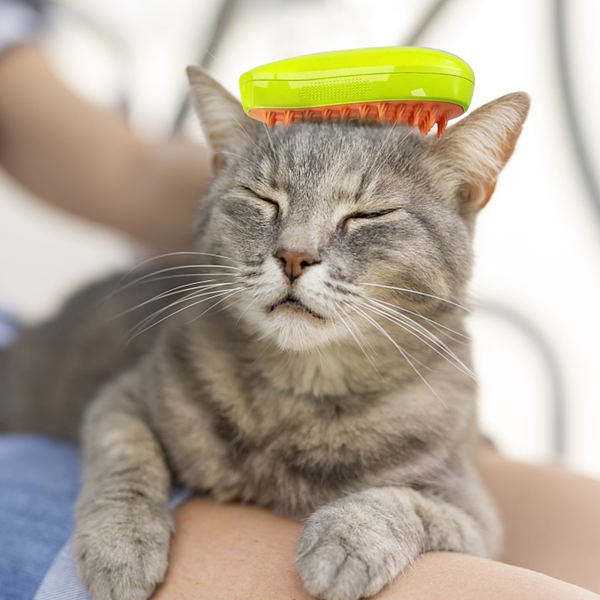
x=419, y=87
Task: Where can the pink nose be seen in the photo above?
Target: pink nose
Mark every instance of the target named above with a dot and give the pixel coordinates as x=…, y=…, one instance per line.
x=294, y=262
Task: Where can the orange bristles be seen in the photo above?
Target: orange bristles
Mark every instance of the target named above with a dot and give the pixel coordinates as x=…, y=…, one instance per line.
x=399, y=112
x=344, y=114
x=363, y=112
x=382, y=109
x=423, y=115
x=288, y=117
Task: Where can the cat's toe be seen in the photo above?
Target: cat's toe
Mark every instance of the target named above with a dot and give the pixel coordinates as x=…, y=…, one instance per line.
x=342, y=558
x=118, y=561
x=331, y=573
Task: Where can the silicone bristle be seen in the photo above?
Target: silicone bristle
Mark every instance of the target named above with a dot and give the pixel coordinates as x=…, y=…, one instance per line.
x=428, y=119
x=363, y=113
x=415, y=118
x=399, y=113
x=423, y=115
x=442, y=123
x=271, y=119
x=382, y=109
x=288, y=117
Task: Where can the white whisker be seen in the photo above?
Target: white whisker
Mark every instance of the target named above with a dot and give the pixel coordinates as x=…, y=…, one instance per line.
x=381, y=147
x=425, y=337
x=347, y=326
x=247, y=135
x=148, y=276
x=171, y=254
x=187, y=287
x=172, y=305
x=404, y=353
x=399, y=289
x=238, y=156
x=249, y=305
x=443, y=329
x=404, y=319
x=230, y=292
x=270, y=139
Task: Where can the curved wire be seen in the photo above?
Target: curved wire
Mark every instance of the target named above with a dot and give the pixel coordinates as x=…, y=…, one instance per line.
x=226, y=12
x=424, y=23
x=572, y=113
x=552, y=363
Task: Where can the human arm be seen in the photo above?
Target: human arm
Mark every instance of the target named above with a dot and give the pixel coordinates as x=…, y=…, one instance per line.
x=222, y=552
x=552, y=524
x=87, y=161
x=551, y=518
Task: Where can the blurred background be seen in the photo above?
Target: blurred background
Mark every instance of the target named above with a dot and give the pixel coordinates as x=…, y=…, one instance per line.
x=536, y=290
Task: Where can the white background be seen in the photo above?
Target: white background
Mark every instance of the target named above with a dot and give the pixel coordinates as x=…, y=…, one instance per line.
x=538, y=244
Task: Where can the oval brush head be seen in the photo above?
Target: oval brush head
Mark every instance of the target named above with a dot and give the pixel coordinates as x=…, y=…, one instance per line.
x=418, y=87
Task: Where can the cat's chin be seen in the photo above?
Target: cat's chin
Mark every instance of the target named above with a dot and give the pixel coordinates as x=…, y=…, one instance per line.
x=296, y=327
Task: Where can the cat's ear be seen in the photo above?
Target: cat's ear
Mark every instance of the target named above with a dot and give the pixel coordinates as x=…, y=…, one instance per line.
x=222, y=117
x=471, y=154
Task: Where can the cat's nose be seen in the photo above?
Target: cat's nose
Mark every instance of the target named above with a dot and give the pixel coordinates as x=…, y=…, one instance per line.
x=294, y=262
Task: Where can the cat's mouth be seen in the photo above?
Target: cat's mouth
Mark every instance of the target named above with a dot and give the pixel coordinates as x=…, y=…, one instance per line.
x=290, y=302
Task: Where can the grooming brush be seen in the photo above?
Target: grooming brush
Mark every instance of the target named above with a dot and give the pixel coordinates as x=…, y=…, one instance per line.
x=418, y=87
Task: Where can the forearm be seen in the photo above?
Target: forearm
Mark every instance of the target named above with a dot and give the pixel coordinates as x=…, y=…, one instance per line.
x=87, y=161
x=231, y=551
x=551, y=518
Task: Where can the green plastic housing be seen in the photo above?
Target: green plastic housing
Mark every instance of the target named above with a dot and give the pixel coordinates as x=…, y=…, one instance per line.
x=356, y=76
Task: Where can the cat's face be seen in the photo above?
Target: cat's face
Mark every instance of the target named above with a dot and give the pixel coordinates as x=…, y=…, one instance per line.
x=334, y=228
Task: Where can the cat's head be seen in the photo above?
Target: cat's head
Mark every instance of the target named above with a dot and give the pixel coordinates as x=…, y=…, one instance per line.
x=334, y=229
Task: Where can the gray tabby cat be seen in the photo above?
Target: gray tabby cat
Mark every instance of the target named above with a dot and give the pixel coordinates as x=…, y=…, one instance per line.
x=316, y=363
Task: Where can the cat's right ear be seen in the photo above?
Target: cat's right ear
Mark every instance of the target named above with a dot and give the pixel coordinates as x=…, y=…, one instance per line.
x=470, y=155
x=222, y=117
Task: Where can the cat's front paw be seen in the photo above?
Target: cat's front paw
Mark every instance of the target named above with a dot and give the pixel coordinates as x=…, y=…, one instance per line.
x=121, y=549
x=350, y=550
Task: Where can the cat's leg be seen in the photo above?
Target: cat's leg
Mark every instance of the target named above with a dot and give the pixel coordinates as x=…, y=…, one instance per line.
x=124, y=523
x=354, y=546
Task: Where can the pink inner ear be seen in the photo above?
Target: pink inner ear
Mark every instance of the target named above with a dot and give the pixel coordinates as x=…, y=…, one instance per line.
x=218, y=161
x=479, y=196
x=486, y=192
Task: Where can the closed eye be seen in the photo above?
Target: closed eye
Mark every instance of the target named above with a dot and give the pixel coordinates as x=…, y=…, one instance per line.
x=263, y=198
x=371, y=215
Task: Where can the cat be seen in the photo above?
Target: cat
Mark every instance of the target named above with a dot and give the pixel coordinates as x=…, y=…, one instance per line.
x=314, y=360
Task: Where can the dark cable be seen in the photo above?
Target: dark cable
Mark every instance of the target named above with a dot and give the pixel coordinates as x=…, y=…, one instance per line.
x=572, y=113
x=552, y=366
x=424, y=23
x=226, y=11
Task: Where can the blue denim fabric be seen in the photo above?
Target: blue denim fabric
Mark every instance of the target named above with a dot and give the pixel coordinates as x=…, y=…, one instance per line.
x=9, y=329
x=19, y=22
x=39, y=482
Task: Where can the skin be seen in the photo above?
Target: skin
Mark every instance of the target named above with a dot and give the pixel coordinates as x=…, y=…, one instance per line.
x=551, y=518
x=87, y=161
x=243, y=552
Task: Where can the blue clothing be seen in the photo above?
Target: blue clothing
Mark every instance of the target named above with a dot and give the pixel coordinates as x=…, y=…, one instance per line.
x=39, y=484
x=20, y=21
x=9, y=329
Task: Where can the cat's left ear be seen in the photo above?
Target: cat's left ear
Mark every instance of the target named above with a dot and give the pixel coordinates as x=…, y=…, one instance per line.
x=471, y=154
x=226, y=125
